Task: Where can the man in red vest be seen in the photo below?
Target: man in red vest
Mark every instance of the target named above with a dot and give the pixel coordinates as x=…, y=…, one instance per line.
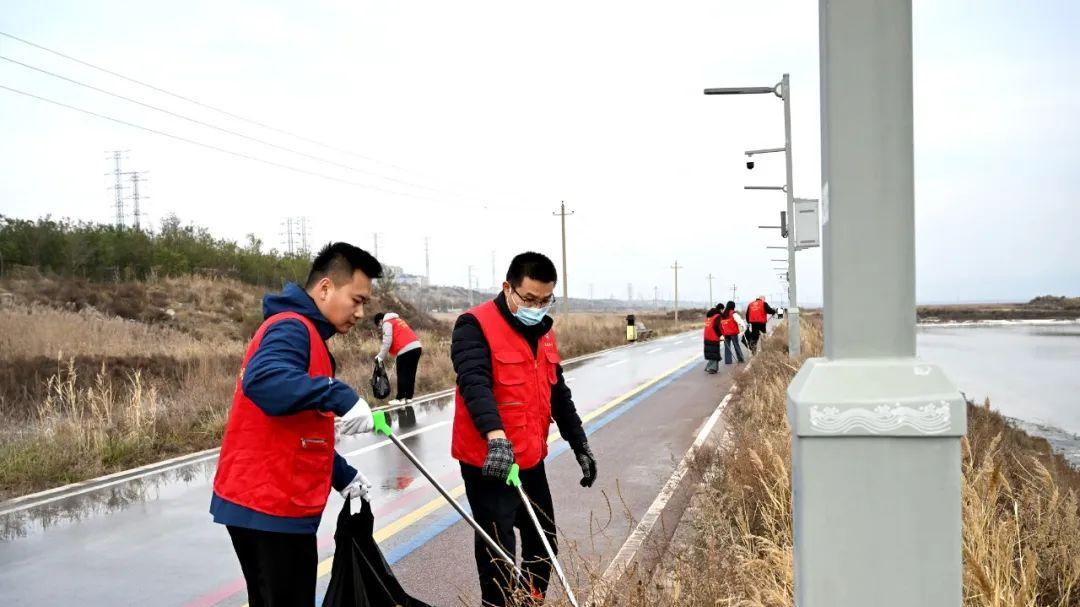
x=509, y=387
x=757, y=314
x=277, y=461
x=401, y=342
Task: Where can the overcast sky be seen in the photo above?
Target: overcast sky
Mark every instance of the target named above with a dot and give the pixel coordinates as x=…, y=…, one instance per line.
x=467, y=122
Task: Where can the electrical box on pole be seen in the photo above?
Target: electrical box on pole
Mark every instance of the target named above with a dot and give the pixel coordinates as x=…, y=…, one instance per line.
x=807, y=224
x=783, y=224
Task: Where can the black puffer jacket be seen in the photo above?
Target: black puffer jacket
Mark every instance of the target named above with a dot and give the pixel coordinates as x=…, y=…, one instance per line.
x=712, y=348
x=471, y=356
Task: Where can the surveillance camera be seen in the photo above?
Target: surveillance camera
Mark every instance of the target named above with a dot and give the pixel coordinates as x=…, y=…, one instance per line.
x=749, y=164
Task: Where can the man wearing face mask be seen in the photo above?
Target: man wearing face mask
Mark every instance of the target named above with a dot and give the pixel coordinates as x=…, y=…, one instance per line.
x=510, y=386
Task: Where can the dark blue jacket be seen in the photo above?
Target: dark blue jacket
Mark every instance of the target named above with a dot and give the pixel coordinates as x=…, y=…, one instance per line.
x=276, y=380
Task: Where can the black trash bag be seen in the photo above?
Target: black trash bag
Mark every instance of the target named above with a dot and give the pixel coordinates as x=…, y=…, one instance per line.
x=361, y=576
x=380, y=382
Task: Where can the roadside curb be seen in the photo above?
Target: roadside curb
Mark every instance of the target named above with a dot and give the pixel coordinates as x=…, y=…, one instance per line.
x=659, y=523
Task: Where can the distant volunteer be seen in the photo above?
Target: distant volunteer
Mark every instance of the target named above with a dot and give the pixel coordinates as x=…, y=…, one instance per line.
x=401, y=342
x=729, y=328
x=758, y=313
x=712, y=339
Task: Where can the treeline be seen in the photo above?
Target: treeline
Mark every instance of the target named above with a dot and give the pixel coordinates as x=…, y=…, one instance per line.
x=106, y=252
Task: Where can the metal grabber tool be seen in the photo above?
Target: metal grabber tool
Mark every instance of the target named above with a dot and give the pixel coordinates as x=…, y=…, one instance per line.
x=383, y=427
x=514, y=480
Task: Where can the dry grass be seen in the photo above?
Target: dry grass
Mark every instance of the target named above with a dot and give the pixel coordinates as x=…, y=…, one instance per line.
x=85, y=393
x=88, y=426
x=209, y=309
x=30, y=331
x=1021, y=535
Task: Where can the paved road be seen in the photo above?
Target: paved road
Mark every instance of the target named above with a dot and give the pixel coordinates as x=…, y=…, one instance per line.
x=149, y=540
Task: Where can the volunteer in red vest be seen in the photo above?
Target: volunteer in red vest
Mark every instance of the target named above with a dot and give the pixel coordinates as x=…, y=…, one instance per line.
x=277, y=463
x=729, y=328
x=401, y=342
x=712, y=340
x=758, y=313
x=510, y=386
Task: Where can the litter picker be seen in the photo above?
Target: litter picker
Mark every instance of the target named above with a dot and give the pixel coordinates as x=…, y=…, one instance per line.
x=383, y=427
x=514, y=480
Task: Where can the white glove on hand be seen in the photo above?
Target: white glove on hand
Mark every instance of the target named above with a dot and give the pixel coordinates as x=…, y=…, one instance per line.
x=360, y=487
x=357, y=421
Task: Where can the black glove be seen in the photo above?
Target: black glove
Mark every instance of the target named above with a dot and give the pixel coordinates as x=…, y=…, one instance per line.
x=500, y=457
x=587, y=462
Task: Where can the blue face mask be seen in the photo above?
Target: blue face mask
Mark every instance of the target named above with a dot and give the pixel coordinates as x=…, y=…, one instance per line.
x=531, y=317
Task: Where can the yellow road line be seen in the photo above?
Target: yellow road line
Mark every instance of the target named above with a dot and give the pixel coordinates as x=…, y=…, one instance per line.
x=411, y=518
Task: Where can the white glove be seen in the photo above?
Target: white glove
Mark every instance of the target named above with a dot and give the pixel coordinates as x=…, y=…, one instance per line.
x=360, y=487
x=357, y=421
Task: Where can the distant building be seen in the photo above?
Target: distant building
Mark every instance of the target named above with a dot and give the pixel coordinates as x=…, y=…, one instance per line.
x=401, y=278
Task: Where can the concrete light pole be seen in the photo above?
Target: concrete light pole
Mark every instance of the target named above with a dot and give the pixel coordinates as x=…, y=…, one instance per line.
x=875, y=432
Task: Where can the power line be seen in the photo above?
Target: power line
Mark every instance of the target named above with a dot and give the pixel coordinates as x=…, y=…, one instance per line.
x=223, y=129
x=194, y=101
x=217, y=148
x=208, y=106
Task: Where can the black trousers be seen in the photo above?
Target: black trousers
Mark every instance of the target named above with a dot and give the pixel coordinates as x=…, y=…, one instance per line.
x=406, y=365
x=729, y=341
x=279, y=568
x=497, y=508
x=757, y=329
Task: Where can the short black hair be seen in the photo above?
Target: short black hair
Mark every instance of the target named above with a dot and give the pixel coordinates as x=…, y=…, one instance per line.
x=339, y=260
x=377, y=319
x=531, y=265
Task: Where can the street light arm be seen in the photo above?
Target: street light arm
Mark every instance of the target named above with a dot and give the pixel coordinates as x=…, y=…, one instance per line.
x=742, y=90
x=764, y=151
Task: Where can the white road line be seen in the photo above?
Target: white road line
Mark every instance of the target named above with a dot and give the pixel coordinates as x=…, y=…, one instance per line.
x=623, y=558
x=383, y=443
x=678, y=342
x=654, y=350
x=616, y=363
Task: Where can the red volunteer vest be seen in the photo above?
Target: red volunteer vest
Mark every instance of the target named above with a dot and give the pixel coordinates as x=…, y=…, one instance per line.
x=710, y=330
x=278, y=465
x=403, y=335
x=522, y=385
x=756, y=312
x=728, y=326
